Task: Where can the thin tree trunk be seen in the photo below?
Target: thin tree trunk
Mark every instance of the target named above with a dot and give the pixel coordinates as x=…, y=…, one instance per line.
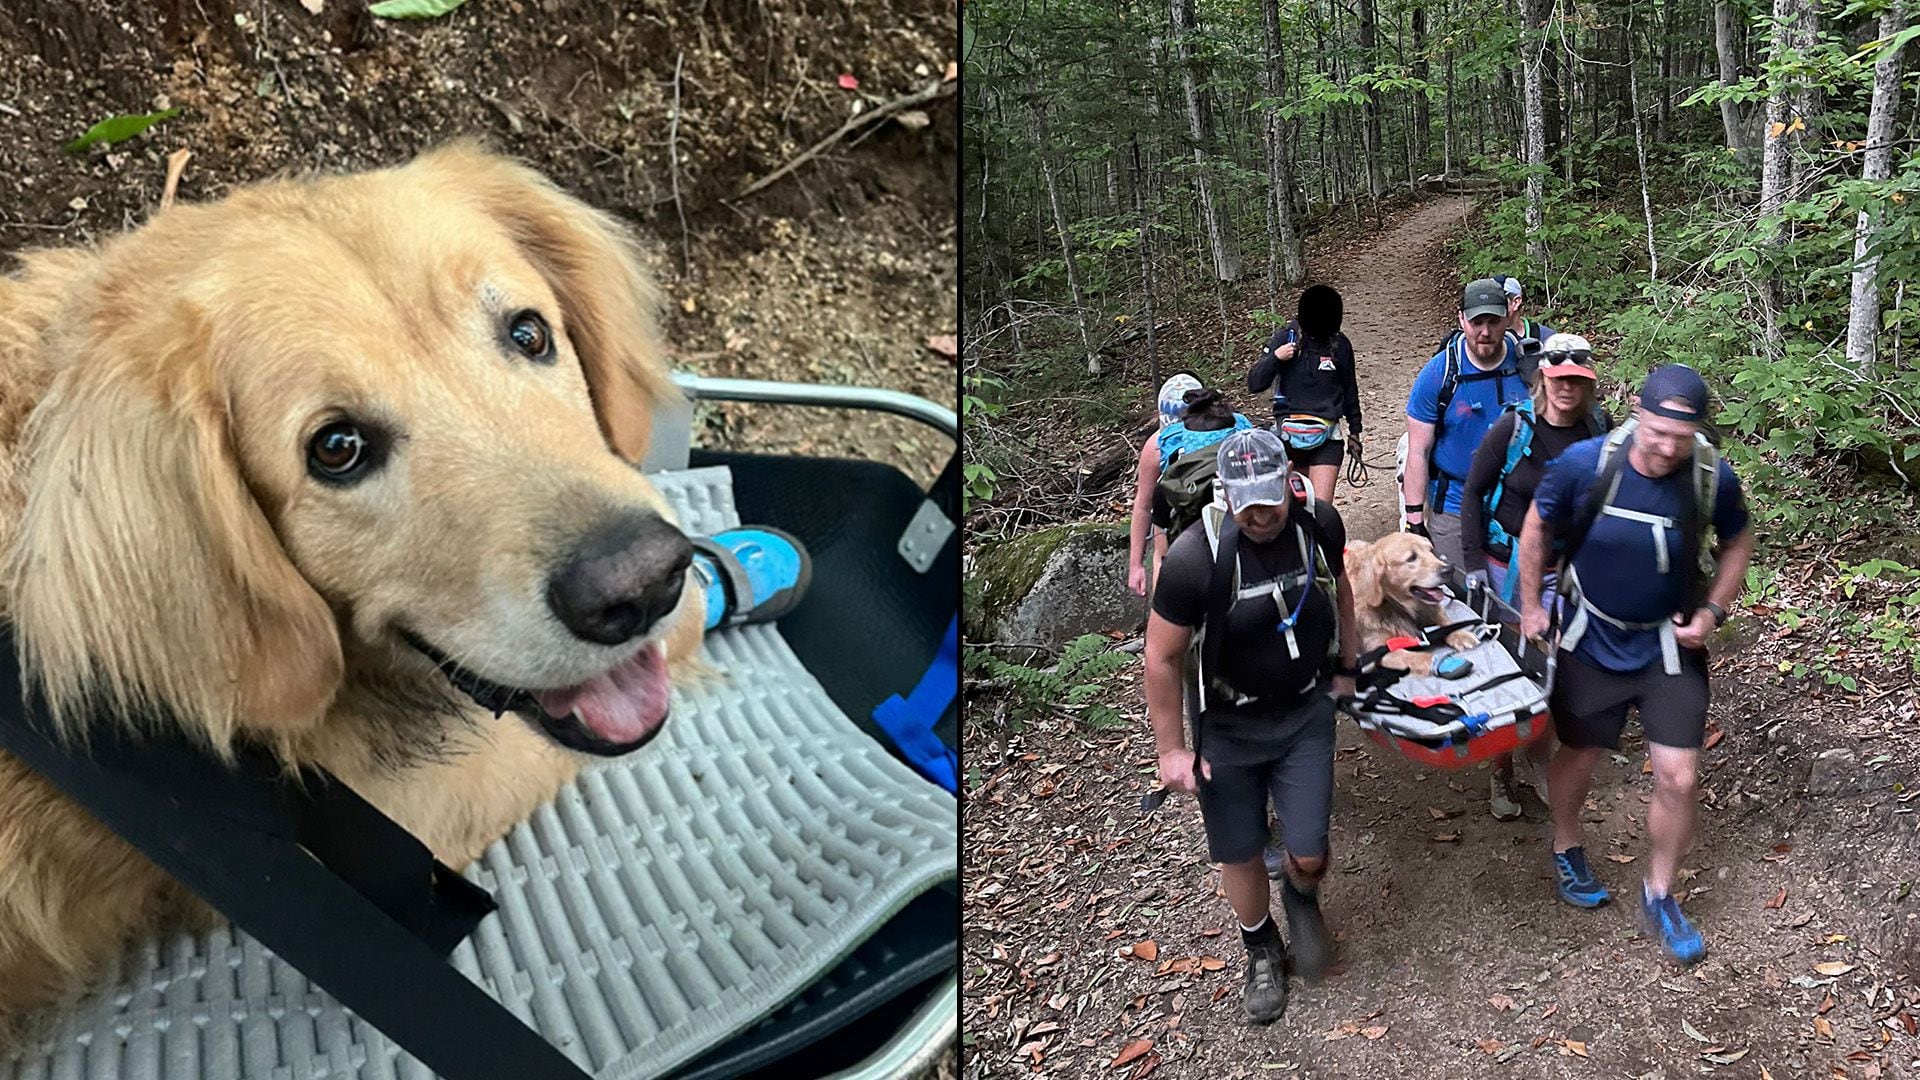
x=1146, y=260
x=1045, y=147
x=1640, y=152
x=1446, y=134
x=1806, y=93
x=1285, y=240
x=1863, y=319
x=1422, y=120
x=1533, y=44
x=1226, y=258
x=1370, y=134
x=1723, y=47
x=1773, y=172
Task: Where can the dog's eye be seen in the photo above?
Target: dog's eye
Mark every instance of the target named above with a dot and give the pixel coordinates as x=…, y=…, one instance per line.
x=530, y=335
x=339, y=452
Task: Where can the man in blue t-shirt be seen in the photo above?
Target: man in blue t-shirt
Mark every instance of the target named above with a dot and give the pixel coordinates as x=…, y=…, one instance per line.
x=1637, y=625
x=1485, y=367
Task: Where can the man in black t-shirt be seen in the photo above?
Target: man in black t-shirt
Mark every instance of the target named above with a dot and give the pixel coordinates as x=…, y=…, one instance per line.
x=1254, y=587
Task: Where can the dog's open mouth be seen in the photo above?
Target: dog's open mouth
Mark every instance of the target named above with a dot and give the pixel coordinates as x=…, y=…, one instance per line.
x=618, y=710
x=1428, y=594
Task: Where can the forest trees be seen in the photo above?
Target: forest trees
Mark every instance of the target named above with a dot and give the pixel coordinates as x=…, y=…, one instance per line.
x=1732, y=181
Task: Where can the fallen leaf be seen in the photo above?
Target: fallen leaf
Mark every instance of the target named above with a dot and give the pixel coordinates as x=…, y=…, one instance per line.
x=413, y=9
x=1907, y=1021
x=1501, y=1003
x=1619, y=858
x=1859, y=1055
x=1446, y=837
x=1212, y=963
x=1374, y=1032
x=1551, y=1009
x=1826, y=1006
x=1833, y=967
x=1132, y=1050
x=1725, y=1059
x=1782, y=849
x=1714, y=735
x=1220, y=992
x=1438, y=814
x=848, y=82
x=1490, y=1046
x=912, y=119
x=953, y=71
x=1801, y=920
x=1146, y=950
x=1570, y=1046
x=943, y=344
x=1646, y=767
x=1693, y=1032
x=1211, y=931
x=1779, y=900
x=313, y=7
x=1057, y=1002
x=1147, y=1065
x=1822, y=1028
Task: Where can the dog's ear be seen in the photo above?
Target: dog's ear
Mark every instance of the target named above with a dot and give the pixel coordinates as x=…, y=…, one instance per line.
x=145, y=576
x=1363, y=573
x=608, y=303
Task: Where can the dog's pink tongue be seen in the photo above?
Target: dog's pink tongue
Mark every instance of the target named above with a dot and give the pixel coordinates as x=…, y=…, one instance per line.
x=622, y=705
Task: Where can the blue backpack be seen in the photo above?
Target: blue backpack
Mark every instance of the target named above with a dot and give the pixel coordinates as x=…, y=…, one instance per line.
x=1518, y=444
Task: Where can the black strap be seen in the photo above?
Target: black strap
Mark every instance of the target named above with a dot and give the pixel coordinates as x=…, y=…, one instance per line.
x=1226, y=558
x=305, y=865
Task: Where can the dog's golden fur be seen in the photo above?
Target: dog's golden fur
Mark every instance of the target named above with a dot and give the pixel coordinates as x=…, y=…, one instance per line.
x=1385, y=575
x=165, y=544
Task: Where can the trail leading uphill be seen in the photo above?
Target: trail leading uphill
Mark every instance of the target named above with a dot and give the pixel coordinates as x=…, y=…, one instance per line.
x=1457, y=960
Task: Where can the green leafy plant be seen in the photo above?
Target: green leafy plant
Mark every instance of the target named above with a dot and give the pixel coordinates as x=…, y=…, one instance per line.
x=119, y=129
x=1068, y=687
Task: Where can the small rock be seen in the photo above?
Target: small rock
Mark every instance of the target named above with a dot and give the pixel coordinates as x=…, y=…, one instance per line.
x=1835, y=772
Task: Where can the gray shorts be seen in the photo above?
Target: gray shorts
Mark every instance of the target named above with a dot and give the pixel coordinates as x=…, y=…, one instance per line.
x=1445, y=531
x=1298, y=776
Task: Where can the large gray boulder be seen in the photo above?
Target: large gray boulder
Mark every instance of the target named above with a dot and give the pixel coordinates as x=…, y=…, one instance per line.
x=1048, y=587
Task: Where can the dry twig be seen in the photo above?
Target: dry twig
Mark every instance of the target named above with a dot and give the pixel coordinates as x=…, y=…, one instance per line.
x=921, y=96
x=673, y=156
x=176, y=164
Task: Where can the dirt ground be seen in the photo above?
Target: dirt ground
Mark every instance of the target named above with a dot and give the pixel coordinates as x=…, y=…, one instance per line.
x=1097, y=942
x=838, y=273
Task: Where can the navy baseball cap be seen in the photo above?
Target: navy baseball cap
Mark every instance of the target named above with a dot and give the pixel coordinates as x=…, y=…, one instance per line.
x=1676, y=392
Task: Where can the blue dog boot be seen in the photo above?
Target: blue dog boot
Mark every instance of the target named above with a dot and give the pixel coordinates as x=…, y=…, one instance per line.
x=754, y=574
x=1665, y=921
x=1578, y=886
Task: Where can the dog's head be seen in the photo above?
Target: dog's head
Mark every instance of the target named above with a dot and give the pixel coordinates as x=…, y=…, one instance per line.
x=1399, y=568
x=374, y=421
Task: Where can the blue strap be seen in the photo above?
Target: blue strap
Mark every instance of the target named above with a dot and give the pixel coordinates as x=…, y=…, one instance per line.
x=1476, y=723
x=909, y=721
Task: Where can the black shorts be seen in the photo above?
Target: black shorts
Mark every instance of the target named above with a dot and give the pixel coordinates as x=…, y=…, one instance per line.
x=1331, y=452
x=1298, y=777
x=1589, y=704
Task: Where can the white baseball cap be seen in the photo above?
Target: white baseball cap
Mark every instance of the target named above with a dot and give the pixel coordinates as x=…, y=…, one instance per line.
x=1253, y=469
x=1173, y=397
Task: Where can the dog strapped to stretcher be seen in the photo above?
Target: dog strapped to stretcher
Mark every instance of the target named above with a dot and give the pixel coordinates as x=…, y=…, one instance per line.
x=1458, y=722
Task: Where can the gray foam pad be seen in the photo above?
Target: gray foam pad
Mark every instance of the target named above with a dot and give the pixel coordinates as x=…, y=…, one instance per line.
x=1505, y=703
x=665, y=902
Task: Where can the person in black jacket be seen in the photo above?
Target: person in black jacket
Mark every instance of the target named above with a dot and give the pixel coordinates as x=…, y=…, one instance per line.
x=1316, y=396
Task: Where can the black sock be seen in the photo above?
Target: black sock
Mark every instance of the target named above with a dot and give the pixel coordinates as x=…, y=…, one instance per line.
x=1259, y=935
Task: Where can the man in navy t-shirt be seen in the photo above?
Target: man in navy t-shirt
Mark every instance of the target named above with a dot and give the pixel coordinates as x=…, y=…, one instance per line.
x=1488, y=380
x=1636, y=637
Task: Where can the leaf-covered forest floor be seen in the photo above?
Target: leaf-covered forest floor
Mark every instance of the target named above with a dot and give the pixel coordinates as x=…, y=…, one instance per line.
x=1097, y=942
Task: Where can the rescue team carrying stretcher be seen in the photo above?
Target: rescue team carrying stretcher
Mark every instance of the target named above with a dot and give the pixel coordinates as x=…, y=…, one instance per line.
x=1551, y=564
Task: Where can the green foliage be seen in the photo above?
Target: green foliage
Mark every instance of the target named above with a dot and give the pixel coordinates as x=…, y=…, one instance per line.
x=413, y=9
x=119, y=129
x=1069, y=687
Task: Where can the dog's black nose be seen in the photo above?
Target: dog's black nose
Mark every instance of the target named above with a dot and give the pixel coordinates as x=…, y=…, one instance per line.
x=621, y=578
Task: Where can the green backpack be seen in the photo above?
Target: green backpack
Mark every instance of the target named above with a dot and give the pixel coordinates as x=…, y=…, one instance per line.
x=1187, y=486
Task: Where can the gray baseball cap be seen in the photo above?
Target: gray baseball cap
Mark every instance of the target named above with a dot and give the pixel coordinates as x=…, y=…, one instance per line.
x=1253, y=467
x=1483, y=297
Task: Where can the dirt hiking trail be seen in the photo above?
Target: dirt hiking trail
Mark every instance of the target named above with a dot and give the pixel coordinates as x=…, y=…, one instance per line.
x=1097, y=942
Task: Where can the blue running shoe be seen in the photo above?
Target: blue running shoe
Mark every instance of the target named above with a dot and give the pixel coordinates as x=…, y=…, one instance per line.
x=754, y=574
x=1578, y=886
x=1665, y=921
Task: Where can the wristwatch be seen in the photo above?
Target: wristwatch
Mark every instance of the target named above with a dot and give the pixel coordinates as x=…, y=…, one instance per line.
x=1719, y=613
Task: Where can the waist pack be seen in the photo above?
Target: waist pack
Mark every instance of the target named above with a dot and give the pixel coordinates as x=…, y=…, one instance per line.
x=1303, y=432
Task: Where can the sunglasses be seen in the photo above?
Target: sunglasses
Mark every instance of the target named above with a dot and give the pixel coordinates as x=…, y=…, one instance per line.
x=1575, y=356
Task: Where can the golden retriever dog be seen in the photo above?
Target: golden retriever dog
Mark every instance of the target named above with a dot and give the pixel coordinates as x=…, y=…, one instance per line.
x=342, y=468
x=1397, y=590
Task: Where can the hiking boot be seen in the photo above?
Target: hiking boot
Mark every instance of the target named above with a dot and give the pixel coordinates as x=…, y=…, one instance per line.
x=1307, y=932
x=1264, y=993
x=1500, y=798
x=1276, y=859
x=1578, y=886
x=1663, y=919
